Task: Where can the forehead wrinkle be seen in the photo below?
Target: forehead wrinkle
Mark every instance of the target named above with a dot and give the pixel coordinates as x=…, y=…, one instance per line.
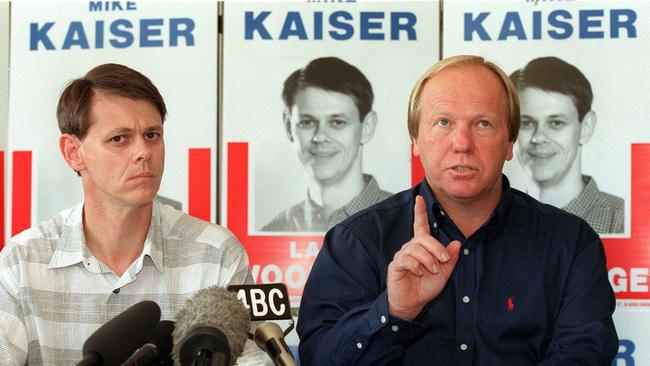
x=466, y=101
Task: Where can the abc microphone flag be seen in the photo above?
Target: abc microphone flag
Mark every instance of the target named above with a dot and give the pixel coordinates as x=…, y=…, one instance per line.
x=268, y=302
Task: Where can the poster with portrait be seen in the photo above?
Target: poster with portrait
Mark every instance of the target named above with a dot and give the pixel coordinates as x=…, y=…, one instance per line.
x=172, y=43
x=314, y=120
x=584, y=144
x=4, y=106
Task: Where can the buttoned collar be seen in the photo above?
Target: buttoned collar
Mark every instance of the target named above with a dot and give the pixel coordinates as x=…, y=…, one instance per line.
x=438, y=216
x=315, y=213
x=579, y=204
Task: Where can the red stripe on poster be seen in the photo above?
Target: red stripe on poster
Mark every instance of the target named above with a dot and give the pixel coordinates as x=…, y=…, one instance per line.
x=21, y=193
x=417, y=172
x=2, y=199
x=628, y=259
x=199, y=197
x=237, y=214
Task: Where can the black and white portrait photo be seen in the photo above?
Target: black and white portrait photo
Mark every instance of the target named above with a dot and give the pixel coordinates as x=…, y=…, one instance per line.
x=328, y=118
x=556, y=121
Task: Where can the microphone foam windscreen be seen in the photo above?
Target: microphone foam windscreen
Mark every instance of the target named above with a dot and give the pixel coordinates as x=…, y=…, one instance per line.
x=116, y=340
x=213, y=307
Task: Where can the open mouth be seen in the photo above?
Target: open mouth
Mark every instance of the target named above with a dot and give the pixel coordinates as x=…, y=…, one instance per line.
x=462, y=169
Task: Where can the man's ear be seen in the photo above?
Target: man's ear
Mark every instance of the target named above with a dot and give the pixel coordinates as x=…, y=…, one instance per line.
x=369, y=124
x=286, y=119
x=70, y=147
x=588, y=126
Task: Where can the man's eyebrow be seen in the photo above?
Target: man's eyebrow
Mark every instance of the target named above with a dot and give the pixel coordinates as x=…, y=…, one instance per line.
x=120, y=130
x=336, y=115
x=127, y=130
x=157, y=128
x=556, y=115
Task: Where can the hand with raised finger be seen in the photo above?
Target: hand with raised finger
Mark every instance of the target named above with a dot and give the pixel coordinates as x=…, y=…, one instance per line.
x=420, y=269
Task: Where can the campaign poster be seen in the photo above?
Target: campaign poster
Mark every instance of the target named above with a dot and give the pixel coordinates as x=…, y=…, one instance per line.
x=581, y=69
x=315, y=98
x=52, y=43
x=4, y=103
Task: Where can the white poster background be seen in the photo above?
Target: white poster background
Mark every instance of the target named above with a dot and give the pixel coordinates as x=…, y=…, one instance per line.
x=254, y=73
x=4, y=72
x=185, y=75
x=4, y=101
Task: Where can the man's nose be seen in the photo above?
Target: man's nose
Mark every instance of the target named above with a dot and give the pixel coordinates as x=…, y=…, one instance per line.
x=462, y=139
x=539, y=134
x=142, y=150
x=321, y=134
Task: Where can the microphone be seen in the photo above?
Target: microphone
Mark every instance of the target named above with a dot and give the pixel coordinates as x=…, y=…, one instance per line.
x=157, y=349
x=268, y=302
x=269, y=337
x=114, y=341
x=211, y=329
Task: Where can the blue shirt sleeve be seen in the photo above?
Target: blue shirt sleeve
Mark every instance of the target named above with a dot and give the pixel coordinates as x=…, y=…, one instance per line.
x=584, y=332
x=344, y=316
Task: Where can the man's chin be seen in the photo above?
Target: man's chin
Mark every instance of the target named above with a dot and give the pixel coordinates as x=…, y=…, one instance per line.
x=324, y=176
x=542, y=177
x=142, y=197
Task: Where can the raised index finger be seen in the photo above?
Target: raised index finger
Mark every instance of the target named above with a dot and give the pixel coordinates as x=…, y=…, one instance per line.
x=420, y=218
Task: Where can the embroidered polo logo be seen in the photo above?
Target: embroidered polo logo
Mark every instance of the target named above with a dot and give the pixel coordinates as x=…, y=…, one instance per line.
x=510, y=304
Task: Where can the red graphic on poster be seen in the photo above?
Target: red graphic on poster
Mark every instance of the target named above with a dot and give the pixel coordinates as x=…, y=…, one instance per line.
x=21, y=192
x=199, y=173
x=628, y=259
x=2, y=199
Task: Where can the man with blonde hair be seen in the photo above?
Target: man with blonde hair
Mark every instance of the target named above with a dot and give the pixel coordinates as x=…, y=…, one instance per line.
x=461, y=269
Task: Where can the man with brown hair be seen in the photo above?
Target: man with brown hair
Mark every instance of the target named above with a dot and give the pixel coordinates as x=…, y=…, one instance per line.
x=328, y=118
x=62, y=279
x=557, y=120
x=461, y=269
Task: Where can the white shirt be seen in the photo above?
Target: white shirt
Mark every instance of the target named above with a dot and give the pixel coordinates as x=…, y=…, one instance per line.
x=54, y=293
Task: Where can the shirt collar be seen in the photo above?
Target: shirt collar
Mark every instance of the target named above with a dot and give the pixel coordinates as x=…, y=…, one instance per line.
x=71, y=247
x=588, y=194
x=497, y=219
x=358, y=203
x=315, y=215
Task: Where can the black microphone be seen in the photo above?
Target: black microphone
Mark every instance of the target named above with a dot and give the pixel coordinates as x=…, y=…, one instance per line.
x=157, y=349
x=269, y=302
x=116, y=340
x=211, y=329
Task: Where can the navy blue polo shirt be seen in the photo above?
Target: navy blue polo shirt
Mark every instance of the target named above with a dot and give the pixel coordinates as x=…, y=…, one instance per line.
x=530, y=287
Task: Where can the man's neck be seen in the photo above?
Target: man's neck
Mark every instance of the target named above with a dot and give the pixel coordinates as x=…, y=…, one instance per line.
x=469, y=215
x=560, y=193
x=337, y=194
x=116, y=234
